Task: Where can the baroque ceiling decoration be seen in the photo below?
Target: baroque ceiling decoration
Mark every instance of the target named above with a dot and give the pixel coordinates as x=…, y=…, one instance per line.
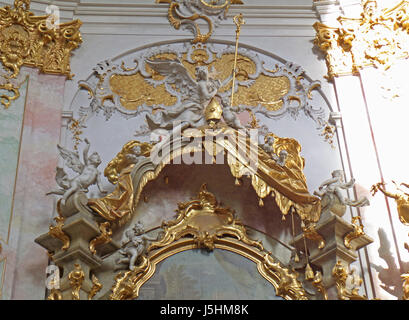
x=263, y=85
x=34, y=41
x=377, y=38
x=185, y=14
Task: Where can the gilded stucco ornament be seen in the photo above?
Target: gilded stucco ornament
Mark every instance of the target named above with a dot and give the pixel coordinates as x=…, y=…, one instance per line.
x=25, y=39
x=347, y=282
x=203, y=223
x=401, y=198
x=96, y=287
x=104, y=238
x=378, y=38
x=285, y=184
x=356, y=233
x=264, y=86
x=76, y=278
x=185, y=14
x=402, y=202
x=57, y=231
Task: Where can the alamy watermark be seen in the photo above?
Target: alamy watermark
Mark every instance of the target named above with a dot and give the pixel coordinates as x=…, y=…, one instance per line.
x=53, y=19
x=53, y=277
x=231, y=145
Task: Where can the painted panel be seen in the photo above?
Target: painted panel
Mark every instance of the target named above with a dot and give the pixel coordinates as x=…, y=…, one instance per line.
x=217, y=275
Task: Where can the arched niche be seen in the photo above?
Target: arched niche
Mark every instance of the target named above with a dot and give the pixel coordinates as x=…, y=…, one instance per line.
x=111, y=104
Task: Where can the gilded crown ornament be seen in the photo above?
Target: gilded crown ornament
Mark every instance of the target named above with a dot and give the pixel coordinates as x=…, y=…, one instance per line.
x=25, y=39
x=209, y=11
x=378, y=38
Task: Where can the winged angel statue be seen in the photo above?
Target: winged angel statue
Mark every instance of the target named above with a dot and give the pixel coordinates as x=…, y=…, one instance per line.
x=88, y=174
x=196, y=95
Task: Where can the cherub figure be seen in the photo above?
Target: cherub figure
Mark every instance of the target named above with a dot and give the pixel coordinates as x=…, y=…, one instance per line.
x=196, y=94
x=135, y=155
x=268, y=147
x=401, y=198
x=331, y=189
x=353, y=282
x=134, y=245
x=88, y=174
x=282, y=158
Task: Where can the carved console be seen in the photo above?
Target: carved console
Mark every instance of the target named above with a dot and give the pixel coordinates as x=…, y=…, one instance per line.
x=76, y=244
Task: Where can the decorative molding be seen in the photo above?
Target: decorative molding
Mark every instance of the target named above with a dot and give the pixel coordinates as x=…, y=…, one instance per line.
x=27, y=40
x=184, y=14
x=378, y=38
x=264, y=85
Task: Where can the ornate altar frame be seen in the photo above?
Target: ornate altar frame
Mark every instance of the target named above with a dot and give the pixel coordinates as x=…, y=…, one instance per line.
x=202, y=224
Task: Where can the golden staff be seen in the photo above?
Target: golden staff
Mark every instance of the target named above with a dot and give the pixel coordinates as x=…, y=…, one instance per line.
x=238, y=20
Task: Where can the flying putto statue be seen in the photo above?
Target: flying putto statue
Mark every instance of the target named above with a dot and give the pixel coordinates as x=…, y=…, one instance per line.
x=88, y=174
x=196, y=95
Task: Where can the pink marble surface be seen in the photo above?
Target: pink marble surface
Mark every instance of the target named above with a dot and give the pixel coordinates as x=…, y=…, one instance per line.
x=26, y=260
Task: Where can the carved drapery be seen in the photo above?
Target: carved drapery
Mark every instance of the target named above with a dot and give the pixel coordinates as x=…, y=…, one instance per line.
x=287, y=185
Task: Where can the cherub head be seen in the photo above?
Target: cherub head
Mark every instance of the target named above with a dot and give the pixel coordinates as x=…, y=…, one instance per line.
x=138, y=228
x=269, y=140
x=338, y=174
x=137, y=150
x=283, y=155
x=94, y=159
x=201, y=73
x=370, y=9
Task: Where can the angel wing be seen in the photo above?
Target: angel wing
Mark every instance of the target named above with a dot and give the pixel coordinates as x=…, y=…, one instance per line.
x=62, y=178
x=71, y=159
x=177, y=74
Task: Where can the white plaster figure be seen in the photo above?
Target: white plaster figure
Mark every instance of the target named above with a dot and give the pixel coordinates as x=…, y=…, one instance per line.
x=88, y=174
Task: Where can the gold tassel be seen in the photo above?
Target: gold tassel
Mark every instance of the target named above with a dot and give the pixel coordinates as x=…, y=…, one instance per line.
x=237, y=182
x=296, y=258
x=309, y=274
x=260, y=203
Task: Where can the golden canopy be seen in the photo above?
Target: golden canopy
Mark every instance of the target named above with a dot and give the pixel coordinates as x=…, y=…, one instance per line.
x=286, y=184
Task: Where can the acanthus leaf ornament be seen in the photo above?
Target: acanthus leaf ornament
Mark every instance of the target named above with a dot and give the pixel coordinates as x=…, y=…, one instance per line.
x=96, y=287
x=378, y=38
x=26, y=40
x=347, y=282
x=356, y=233
x=57, y=231
x=104, y=238
x=184, y=14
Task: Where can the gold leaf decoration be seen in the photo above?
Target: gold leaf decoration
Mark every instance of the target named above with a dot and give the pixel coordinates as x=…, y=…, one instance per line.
x=25, y=39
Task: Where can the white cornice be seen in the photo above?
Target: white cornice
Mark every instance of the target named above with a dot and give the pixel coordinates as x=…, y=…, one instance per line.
x=145, y=17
